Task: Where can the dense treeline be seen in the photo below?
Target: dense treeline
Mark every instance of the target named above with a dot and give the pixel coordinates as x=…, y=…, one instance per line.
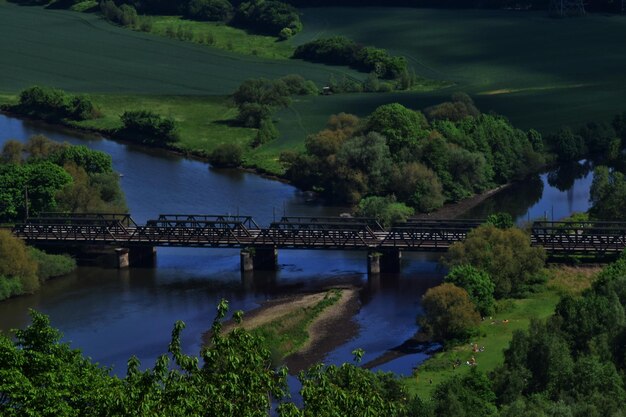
x=49, y=176
x=444, y=154
x=339, y=50
x=53, y=105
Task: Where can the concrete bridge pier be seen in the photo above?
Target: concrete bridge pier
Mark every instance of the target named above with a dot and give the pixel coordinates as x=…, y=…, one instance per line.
x=259, y=259
x=388, y=260
x=135, y=256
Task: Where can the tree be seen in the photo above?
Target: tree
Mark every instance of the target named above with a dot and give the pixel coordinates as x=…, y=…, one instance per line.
x=385, y=209
x=449, y=314
x=267, y=133
x=370, y=156
x=506, y=255
x=401, y=126
x=478, y=285
x=566, y=144
x=418, y=185
x=460, y=107
x=466, y=396
x=92, y=161
x=17, y=268
x=608, y=195
x=12, y=152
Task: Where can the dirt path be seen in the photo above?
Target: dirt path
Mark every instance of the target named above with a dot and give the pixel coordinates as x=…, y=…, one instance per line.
x=451, y=211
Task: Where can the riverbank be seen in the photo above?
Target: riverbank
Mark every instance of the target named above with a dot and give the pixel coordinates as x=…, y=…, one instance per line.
x=495, y=333
x=454, y=210
x=301, y=329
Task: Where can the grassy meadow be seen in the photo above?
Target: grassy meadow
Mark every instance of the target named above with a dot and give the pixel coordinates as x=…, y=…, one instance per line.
x=495, y=333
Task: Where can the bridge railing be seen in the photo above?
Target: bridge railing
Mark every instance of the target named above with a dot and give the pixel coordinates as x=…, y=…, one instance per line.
x=198, y=219
x=372, y=222
x=580, y=237
x=123, y=219
x=424, y=237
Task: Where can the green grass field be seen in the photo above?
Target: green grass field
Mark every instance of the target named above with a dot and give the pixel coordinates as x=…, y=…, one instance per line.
x=82, y=53
x=539, y=72
x=223, y=36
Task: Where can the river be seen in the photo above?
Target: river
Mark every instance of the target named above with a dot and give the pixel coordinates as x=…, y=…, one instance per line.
x=111, y=315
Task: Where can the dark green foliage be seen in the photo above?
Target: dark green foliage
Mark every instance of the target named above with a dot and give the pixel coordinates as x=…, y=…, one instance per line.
x=601, y=140
x=92, y=161
x=148, y=128
x=298, y=85
x=124, y=15
x=385, y=209
x=214, y=10
x=228, y=155
x=608, y=195
x=566, y=144
x=267, y=16
x=50, y=265
x=256, y=98
x=466, y=396
x=431, y=164
x=460, y=107
x=53, y=105
x=478, y=285
x=339, y=50
x=267, y=133
x=506, y=255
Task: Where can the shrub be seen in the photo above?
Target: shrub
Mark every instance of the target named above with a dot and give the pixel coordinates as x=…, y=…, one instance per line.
x=51, y=266
x=267, y=133
x=268, y=16
x=227, y=155
x=385, y=209
x=449, y=314
x=148, y=128
x=16, y=263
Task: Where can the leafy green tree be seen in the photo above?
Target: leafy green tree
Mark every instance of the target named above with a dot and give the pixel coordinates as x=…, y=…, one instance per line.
x=12, y=152
x=478, y=285
x=92, y=161
x=501, y=220
x=449, y=314
x=267, y=16
x=267, y=133
x=608, y=195
x=385, y=209
x=566, y=144
x=460, y=107
x=16, y=264
x=506, y=255
x=398, y=124
x=418, y=185
x=469, y=395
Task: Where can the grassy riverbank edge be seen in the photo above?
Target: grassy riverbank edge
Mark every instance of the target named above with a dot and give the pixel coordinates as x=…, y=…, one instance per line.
x=495, y=333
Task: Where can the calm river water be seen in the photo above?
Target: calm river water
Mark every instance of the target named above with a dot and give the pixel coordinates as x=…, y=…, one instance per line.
x=111, y=315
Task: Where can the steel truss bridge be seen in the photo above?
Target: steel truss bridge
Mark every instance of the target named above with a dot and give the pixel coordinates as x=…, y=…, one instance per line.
x=331, y=233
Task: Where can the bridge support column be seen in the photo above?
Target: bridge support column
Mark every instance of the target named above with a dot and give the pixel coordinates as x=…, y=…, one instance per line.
x=142, y=256
x=259, y=259
x=121, y=258
x=388, y=260
x=135, y=256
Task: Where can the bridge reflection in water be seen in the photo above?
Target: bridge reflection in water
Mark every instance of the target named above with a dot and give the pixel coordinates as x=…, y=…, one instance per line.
x=260, y=244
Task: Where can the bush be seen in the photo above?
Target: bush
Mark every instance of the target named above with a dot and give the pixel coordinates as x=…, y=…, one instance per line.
x=51, y=266
x=267, y=133
x=125, y=15
x=268, y=16
x=227, y=155
x=16, y=264
x=10, y=287
x=449, y=314
x=54, y=104
x=148, y=128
